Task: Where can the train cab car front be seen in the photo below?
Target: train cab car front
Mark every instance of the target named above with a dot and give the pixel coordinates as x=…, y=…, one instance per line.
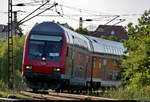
x=44, y=57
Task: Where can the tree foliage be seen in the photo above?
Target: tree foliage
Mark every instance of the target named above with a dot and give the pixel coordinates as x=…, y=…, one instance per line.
x=18, y=54
x=82, y=31
x=71, y=28
x=113, y=38
x=136, y=66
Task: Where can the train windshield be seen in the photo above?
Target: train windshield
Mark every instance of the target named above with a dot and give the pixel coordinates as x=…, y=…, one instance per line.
x=48, y=47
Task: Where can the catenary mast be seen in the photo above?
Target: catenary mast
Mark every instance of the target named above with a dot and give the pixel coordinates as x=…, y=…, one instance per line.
x=11, y=77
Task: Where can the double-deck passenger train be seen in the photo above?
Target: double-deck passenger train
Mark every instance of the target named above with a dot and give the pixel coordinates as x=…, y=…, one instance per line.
x=57, y=58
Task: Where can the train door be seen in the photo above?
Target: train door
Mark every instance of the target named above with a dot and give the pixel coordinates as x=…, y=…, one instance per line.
x=72, y=59
x=78, y=65
x=83, y=62
x=88, y=63
x=72, y=62
x=68, y=68
x=79, y=61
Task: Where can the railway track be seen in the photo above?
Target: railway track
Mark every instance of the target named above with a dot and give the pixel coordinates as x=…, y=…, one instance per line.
x=61, y=96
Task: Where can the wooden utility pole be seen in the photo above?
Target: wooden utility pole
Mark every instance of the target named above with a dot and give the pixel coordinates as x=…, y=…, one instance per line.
x=11, y=77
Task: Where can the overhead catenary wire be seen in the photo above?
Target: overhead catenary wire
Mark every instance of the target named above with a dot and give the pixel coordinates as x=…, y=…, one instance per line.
x=112, y=20
x=94, y=13
x=81, y=10
x=121, y=20
x=38, y=14
x=101, y=16
x=33, y=11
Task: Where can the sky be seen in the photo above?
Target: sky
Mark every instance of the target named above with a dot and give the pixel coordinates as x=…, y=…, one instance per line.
x=130, y=10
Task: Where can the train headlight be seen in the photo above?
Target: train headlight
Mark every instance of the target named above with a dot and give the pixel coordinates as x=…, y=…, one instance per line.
x=43, y=59
x=28, y=67
x=56, y=69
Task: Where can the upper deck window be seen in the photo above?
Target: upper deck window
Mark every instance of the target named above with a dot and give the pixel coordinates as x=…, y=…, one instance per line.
x=95, y=41
x=45, y=37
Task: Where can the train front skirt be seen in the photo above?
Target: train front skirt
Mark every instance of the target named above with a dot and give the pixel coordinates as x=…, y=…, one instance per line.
x=43, y=81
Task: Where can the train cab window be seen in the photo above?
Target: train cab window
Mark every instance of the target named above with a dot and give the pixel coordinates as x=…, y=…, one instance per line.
x=45, y=46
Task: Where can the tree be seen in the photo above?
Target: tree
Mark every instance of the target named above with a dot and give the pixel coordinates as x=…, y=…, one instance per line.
x=18, y=47
x=82, y=31
x=113, y=38
x=70, y=28
x=136, y=66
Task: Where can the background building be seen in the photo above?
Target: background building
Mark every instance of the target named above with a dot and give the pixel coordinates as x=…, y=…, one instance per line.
x=110, y=30
x=3, y=31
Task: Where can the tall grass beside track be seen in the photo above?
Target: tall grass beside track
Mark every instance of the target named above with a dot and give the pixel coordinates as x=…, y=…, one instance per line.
x=129, y=93
x=5, y=92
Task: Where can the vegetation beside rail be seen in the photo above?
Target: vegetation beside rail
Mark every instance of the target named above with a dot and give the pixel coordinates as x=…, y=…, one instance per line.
x=135, y=67
x=18, y=54
x=128, y=93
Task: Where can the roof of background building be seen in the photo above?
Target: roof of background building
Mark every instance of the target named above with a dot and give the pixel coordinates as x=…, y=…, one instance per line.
x=110, y=30
x=3, y=28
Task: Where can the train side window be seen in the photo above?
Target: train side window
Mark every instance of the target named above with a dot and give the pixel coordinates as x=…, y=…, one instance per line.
x=115, y=62
x=68, y=39
x=94, y=40
x=104, y=62
x=100, y=63
x=72, y=36
x=116, y=75
x=112, y=75
x=94, y=62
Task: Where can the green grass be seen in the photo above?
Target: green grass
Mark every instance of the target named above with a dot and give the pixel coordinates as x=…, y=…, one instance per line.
x=12, y=93
x=20, y=96
x=5, y=92
x=129, y=93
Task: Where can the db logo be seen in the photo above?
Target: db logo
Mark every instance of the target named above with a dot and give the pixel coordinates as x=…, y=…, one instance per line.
x=43, y=63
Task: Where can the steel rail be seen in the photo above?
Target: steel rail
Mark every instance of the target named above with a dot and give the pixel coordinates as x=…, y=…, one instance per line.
x=62, y=96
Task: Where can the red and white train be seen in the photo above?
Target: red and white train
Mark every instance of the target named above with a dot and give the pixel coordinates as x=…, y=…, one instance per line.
x=57, y=58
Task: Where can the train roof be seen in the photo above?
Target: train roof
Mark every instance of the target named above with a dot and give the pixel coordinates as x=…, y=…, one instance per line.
x=48, y=28
x=106, y=46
